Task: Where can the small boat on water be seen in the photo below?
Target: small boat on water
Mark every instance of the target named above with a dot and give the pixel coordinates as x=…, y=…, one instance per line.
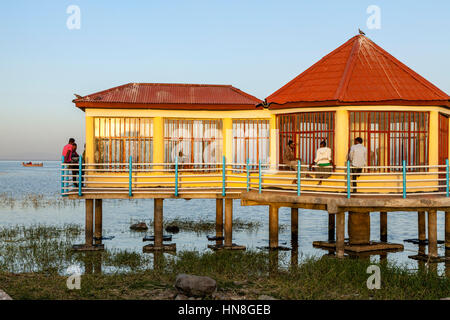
x=31, y=164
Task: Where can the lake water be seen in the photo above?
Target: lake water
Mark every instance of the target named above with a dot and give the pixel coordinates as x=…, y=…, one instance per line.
x=21, y=182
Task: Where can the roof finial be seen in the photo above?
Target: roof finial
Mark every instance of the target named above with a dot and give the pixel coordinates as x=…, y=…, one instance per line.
x=361, y=32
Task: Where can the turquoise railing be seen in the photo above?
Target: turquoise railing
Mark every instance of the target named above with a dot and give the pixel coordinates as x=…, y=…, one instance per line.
x=130, y=177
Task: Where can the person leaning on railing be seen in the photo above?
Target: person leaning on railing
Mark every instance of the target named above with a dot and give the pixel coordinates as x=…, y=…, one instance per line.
x=323, y=162
x=358, y=159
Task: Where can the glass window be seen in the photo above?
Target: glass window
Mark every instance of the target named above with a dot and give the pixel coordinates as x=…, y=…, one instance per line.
x=194, y=142
x=251, y=140
x=116, y=139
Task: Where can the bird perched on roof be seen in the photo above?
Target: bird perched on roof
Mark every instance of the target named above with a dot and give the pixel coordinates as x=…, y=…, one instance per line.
x=361, y=32
x=78, y=96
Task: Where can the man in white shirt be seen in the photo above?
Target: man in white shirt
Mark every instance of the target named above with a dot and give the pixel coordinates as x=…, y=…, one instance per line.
x=323, y=161
x=358, y=159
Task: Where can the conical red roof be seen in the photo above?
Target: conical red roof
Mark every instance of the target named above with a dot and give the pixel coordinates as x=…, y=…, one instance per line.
x=358, y=73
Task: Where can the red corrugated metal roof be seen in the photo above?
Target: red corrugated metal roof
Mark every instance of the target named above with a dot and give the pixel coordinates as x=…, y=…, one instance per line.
x=167, y=95
x=358, y=72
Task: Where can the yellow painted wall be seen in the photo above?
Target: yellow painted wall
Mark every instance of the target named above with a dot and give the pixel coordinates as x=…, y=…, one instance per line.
x=434, y=138
x=227, y=136
x=89, y=140
x=158, y=140
x=341, y=137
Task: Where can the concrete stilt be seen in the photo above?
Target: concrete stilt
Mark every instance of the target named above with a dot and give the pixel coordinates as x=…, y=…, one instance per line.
x=294, y=226
x=89, y=230
x=340, y=234
x=383, y=226
x=89, y=226
x=158, y=230
x=432, y=234
x=98, y=233
x=447, y=229
x=219, y=221
x=421, y=226
x=228, y=223
x=331, y=227
x=359, y=227
x=158, y=222
x=273, y=227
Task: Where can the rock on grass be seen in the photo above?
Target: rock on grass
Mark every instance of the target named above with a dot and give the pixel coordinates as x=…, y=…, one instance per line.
x=4, y=295
x=195, y=286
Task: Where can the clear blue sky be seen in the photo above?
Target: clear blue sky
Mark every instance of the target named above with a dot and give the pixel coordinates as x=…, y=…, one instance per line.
x=256, y=46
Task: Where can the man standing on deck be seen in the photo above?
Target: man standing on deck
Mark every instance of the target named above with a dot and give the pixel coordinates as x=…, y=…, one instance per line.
x=67, y=151
x=358, y=159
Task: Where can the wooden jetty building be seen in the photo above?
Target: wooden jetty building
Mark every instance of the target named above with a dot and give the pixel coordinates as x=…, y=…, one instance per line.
x=187, y=141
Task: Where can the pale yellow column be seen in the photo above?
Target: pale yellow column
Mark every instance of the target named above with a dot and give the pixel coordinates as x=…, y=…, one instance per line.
x=90, y=149
x=341, y=138
x=274, y=140
x=158, y=140
x=434, y=139
x=227, y=139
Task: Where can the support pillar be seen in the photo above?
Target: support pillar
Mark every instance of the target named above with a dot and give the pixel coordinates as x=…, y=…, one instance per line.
x=340, y=234
x=158, y=244
x=89, y=226
x=432, y=234
x=331, y=227
x=158, y=222
x=273, y=227
x=88, y=244
x=421, y=226
x=228, y=223
x=98, y=221
x=219, y=221
x=383, y=226
x=359, y=227
x=294, y=226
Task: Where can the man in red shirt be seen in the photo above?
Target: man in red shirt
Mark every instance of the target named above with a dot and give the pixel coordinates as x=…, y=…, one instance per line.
x=67, y=151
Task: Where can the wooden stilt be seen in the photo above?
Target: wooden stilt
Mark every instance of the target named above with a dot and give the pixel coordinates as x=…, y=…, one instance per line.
x=89, y=228
x=228, y=223
x=294, y=226
x=432, y=234
x=158, y=222
x=340, y=234
x=219, y=220
x=98, y=221
x=421, y=225
x=273, y=227
x=447, y=229
x=331, y=227
x=383, y=226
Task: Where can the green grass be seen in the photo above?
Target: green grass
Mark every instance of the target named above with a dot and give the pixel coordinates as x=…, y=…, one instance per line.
x=33, y=261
